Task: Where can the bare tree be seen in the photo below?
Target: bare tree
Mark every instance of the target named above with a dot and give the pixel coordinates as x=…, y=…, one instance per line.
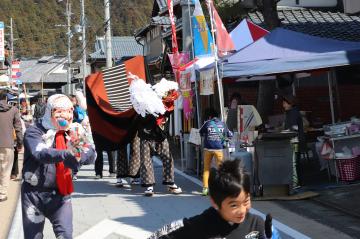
x=265, y=97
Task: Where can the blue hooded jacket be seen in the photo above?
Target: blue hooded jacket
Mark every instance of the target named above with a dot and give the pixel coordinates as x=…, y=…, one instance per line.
x=39, y=168
x=214, y=136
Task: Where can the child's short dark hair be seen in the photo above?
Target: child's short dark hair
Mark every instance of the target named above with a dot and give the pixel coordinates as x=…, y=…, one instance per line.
x=211, y=113
x=228, y=181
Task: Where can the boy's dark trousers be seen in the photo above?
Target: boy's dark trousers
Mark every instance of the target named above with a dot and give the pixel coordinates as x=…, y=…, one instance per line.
x=38, y=203
x=99, y=162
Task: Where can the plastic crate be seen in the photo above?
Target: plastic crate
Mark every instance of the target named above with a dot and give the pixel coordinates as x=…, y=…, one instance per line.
x=348, y=168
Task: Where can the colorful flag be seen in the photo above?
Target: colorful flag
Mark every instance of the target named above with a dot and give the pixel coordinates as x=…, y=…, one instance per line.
x=224, y=42
x=175, y=48
x=246, y=33
x=203, y=42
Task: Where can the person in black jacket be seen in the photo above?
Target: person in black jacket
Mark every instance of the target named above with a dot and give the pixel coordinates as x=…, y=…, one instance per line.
x=153, y=140
x=229, y=217
x=294, y=122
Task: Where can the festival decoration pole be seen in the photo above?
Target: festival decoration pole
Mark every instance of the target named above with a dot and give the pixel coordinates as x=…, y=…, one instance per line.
x=193, y=56
x=216, y=58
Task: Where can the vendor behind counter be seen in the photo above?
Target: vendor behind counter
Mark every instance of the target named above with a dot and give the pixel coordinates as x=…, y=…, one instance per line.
x=293, y=119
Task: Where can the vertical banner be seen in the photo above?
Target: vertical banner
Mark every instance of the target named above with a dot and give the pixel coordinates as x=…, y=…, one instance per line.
x=186, y=93
x=183, y=76
x=203, y=42
x=207, y=78
x=15, y=72
x=2, y=42
x=175, y=47
x=182, y=59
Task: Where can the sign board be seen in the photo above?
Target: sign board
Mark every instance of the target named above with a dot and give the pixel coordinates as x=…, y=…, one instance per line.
x=18, y=82
x=207, y=78
x=195, y=137
x=2, y=42
x=248, y=118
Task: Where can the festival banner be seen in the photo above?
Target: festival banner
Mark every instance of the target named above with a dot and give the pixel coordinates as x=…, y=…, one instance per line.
x=2, y=42
x=184, y=73
x=223, y=40
x=175, y=48
x=186, y=93
x=203, y=42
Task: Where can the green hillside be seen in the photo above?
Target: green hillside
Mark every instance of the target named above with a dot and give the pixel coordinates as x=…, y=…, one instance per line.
x=36, y=34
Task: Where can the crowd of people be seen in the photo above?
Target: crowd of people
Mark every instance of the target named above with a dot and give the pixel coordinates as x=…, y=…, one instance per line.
x=57, y=141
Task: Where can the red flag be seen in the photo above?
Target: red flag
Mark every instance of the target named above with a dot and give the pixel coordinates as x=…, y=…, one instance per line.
x=175, y=48
x=223, y=40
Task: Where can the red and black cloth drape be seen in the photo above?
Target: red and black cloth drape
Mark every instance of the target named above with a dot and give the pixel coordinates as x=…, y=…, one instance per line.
x=113, y=120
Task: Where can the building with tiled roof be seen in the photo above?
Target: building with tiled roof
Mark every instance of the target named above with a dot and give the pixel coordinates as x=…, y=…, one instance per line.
x=123, y=47
x=320, y=23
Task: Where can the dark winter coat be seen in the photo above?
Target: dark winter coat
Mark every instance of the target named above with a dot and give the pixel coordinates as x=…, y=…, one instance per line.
x=39, y=169
x=9, y=120
x=210, y=225
x=294, y=122
x=149, y=130
x=214, y=137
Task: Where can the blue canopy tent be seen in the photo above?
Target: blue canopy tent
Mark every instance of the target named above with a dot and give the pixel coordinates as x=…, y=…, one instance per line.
x=284, y=51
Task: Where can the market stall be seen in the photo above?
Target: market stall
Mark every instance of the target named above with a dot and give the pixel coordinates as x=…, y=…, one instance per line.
x=286, y=51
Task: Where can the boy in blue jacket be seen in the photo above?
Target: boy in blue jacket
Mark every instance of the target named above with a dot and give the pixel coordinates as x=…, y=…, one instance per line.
x=215, y=134
x=51, y=151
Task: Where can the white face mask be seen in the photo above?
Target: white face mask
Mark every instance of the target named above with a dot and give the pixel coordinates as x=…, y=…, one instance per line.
x=61, y=118
x=59, y=113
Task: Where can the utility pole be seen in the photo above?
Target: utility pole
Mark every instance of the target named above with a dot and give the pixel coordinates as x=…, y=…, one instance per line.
x=108, y=34
x=68, y=15
x=11, y=46
x=83, y=24
x=219, y=80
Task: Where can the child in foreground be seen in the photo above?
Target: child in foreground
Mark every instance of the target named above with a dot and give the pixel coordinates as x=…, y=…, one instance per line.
x=229, y=217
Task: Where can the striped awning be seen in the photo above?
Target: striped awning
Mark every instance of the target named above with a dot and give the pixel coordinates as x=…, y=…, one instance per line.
x=117, y=87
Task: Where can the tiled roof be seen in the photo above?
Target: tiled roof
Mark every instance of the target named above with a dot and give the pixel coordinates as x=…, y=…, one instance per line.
x=121, y=47
x=160, y=6
x=158, y=21
x=327, y=24
x=34, y=71
x=161, y=20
